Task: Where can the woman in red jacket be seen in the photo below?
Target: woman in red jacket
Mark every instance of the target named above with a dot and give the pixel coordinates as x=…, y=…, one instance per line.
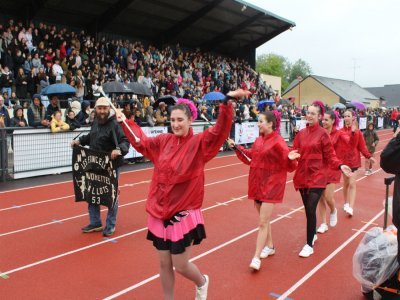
x=269, y=160
x=176, y=192
x=316, y=154
x=339, y=141
x=353, y=159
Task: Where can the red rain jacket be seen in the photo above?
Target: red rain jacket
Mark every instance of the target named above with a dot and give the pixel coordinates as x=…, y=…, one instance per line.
x=178, y=178
x=340, y=141
x=268, y=167
x=317, y=154
x=357, y=144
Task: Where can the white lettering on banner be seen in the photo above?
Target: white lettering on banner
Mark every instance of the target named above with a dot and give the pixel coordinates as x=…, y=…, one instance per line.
x=150, y=132
x=380, y=122
x=246, y=133
x=362, y=123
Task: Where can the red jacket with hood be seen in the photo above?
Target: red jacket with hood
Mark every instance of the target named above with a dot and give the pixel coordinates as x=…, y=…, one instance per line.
x=357, y=144
x=317, y=154
x=268, y=167
x=178, y=178
x=340, y=141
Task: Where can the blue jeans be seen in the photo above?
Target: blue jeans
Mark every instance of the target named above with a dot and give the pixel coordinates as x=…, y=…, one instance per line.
x=94, y=213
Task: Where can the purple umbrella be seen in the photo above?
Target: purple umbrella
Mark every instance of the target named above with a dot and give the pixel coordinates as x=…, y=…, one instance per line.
x=359, y=105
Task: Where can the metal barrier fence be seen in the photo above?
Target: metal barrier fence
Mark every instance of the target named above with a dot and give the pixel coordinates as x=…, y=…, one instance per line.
x=28, y=152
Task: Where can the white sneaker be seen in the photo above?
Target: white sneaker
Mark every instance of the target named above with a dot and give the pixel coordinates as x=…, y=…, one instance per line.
x=267, y=251
x=314, y=239
x=322, y=228
x=370, y=171
x=350, y=211
x=201, y=291
x=255, y=264
x=306, y=251
x=346, y=206
x=367, y=173
x=333, y=218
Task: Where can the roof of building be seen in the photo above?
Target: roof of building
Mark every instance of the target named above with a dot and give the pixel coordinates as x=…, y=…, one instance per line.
x=347, y=90
x=224, y=26
x=389, y=93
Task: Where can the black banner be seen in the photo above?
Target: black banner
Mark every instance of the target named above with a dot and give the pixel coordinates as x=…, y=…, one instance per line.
x=94, y=176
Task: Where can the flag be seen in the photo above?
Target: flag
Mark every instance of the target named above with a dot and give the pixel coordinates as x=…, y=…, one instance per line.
x=94, y=177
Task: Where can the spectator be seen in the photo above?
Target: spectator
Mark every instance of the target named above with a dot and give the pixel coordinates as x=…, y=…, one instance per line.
x=4, y=116
x=37, y=113
x=71, y=120
x=138, y=117
x=53, y=106
x=6, y=81
x=161, y=114
x=83, y=116
x=18, y=120
x=150, y=119
x=56, y=124
x=21, y=84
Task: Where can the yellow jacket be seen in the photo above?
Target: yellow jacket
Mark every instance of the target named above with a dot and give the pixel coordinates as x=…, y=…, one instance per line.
x=57, y=126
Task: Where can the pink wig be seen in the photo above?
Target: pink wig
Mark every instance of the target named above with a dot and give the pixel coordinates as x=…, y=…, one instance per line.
x=192, y=108
x=321, y=105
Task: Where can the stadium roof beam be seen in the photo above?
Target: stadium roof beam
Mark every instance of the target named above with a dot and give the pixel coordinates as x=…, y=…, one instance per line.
x=179, y=27
x=107, y=17
x=260, y=41
x=227, y=35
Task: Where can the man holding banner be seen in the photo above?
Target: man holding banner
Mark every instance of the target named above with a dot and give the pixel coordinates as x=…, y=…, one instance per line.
x=96, y=170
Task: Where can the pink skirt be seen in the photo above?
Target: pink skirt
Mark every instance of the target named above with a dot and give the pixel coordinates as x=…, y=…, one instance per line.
x=184, y=229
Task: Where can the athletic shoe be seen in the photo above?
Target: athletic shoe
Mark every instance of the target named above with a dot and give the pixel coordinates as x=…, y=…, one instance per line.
x=255, y=264
x=333, y=218
x=366, y=173
x=201, y=291
x=322, y=228
x=109, y=232
x=314, y=239
x=306, y=251
x=92, y=228
x=267, y=251
x=346, y=206
x=370, y=171
x=350, y=211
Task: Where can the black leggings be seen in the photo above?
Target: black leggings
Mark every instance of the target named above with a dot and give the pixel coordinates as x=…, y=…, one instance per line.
x=310, y=199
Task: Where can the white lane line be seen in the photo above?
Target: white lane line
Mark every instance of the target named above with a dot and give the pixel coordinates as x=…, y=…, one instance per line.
x=328, y=258
x=293, y=210
x=66, y=181
x=122, y=205
x=83, y=248
x=122, y=186
x=143, y=282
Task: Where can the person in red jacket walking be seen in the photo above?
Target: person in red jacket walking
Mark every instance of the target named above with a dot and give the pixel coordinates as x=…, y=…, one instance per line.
x=269, y=160
x=339, y=140
x=316, y=154
x=175, y=220
x=353, y=159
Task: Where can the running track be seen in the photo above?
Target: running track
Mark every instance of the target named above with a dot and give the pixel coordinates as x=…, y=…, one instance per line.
x=43, y=254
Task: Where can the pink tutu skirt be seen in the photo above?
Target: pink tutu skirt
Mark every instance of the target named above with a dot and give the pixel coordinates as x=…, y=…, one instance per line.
x=184, y=229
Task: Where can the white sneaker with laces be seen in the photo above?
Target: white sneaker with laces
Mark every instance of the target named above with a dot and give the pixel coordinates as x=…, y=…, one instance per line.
x=314, y=239
x=255, y=264
x=366, y=173
x=306, y=251
x=322, y=228
x=346, y=206
x=201, y=291
x=333, y=218
x=350, y=211
x=267, y=251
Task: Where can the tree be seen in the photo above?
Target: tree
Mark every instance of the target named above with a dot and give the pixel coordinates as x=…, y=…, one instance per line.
x=299, y=68
x=277, y=65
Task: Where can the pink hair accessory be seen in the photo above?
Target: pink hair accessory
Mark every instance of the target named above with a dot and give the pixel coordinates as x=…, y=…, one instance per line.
x=337, y=120
x=278, y=120
x=190, y=104
x=321, y=106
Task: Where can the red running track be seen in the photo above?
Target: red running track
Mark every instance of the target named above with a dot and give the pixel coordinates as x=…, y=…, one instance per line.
x=43, y=254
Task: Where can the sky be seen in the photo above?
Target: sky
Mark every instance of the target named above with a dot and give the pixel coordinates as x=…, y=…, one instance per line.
x=339, y=37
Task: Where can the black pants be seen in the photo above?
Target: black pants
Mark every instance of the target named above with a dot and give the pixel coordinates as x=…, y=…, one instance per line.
x=310, y=199
x=396, y=211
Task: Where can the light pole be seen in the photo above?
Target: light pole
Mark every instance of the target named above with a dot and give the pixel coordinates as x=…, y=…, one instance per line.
x=299, y=79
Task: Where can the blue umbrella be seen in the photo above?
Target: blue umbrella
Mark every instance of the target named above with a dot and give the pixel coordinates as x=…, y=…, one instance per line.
x=58, y=88
x=261, y=105
x=213, y=96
